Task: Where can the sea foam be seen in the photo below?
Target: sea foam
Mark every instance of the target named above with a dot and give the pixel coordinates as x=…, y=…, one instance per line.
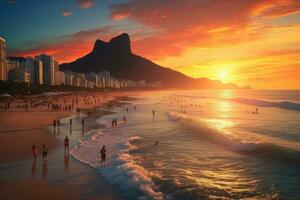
x=121, y=168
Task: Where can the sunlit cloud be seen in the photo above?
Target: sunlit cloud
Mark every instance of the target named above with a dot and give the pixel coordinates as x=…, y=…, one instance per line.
x=187, y=24
x=68, y=47
x=278, y=8
x=66, y=13
x=85, y=4
x=246, y=42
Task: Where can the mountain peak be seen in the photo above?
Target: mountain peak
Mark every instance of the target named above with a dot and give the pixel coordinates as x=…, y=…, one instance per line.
x=116, y=57
x=99, y=45
x=121, y=44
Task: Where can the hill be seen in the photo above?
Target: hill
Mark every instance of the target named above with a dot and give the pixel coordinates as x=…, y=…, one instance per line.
x=116, y=56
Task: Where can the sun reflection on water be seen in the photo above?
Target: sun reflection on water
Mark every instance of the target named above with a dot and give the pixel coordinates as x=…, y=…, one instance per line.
x=229, y=179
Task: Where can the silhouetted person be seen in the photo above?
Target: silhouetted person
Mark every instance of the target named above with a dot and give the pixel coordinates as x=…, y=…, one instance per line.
x=58, y=125
x=71, y=125
x=34, y=151
x=103, y=154
x=45, y=152
x=66, y=143
x=54, y=124
x=153, y=112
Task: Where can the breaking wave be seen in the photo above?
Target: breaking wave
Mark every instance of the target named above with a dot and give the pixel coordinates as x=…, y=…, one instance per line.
x=121, y=168
x=230, y=141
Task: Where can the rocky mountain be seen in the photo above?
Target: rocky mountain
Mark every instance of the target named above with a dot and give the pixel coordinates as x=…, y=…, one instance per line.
x=116, y=56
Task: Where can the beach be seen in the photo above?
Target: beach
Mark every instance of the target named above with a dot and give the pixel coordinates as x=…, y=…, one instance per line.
x=160, y=145
x=61, y=177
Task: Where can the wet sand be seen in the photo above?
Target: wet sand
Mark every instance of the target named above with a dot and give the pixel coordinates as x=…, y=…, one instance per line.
x=35, y=190
x=19, y=130
x=62, y=176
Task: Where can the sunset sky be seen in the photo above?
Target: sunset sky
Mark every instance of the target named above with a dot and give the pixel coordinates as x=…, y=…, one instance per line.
x=247, y=42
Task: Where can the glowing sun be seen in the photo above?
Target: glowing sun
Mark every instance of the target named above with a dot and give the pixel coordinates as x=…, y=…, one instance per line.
x=223, y=75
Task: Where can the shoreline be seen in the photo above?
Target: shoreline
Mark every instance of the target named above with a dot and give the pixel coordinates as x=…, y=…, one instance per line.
x=16, y=143
x=24, y=136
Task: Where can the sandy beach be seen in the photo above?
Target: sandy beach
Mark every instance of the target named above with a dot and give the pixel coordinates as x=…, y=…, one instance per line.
x=19, y=130
x=61, y=177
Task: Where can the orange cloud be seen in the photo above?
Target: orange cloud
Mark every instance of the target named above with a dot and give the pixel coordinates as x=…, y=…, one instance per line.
x=181, y=25
x=69, y=47
x=85, y=4
x=278, y=8
x=200, y=38
x=66, y=13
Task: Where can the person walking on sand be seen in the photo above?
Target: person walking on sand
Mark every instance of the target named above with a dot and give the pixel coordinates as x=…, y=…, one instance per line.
x=34, y=151
x=66, y=143
x=153, y=112
x=54, y=124
x=70, y=123
x=103, y=155
x=58, y=125
x=45, y=152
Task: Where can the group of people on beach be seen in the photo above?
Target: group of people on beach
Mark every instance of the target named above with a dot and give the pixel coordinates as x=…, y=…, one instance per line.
x=35, y=151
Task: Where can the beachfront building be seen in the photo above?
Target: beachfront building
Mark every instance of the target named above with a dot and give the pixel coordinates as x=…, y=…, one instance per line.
x=59, y=78
x=92, y=77
x=76, y=81
x=106, y=75
x=38, y=72
x=48, y=68
x=25, y=77
x=3, y=61
x=101, y=80
x=79, y=80
x=90, y=84
x=141, y=83
x=35, y=68
x=16, y=69
x=69, y=78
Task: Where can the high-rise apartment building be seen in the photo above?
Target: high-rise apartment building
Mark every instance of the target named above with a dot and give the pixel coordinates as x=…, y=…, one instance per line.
x=3, y=61
x=48, y=69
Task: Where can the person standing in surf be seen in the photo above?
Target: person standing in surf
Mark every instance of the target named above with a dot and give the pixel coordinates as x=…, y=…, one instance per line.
x=34, y=151
x=45, y=152
x=103, y=155
x=66, y=143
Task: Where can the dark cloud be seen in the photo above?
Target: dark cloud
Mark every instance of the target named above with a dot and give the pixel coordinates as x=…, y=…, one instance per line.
x=12, y=2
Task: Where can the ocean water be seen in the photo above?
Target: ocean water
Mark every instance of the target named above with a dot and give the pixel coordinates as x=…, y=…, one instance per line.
x=222, y=144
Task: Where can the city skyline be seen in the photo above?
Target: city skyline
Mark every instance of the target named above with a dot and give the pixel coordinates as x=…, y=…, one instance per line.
x=249, y=43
